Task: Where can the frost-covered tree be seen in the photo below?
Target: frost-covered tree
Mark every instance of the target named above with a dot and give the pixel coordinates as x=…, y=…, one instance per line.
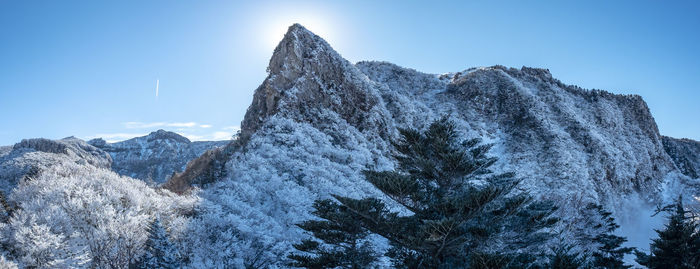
x=74, y=215
x=160, y=252
x=610, y=253
x=7, y=264
x=678, y=244
x=459, y=208
x=42, y=248
x=343, y=245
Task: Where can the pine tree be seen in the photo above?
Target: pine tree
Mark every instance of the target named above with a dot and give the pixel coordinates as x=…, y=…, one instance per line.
x=5, y=209
x=678, y=245
x=610, y=254
x=457, y=203
x=343, y=240
x=563, y=257
x=160, y=252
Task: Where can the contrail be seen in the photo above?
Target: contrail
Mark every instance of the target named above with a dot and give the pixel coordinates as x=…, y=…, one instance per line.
x=157, y=84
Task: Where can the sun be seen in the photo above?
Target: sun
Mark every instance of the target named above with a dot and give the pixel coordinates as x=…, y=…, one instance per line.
x=276, y=28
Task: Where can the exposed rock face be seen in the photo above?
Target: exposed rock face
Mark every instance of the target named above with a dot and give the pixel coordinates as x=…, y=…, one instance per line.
x=685, y=154
x=154, y=157
x=306, y=78
x=29, y=157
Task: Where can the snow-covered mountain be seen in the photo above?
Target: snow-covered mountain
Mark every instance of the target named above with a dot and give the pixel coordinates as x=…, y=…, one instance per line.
x=318, y=120
x=315, y=123
x=29, y=157
x=154, y=157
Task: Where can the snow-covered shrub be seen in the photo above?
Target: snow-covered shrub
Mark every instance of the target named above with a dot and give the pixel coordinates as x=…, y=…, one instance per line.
x=7, y=264
x=81, y=216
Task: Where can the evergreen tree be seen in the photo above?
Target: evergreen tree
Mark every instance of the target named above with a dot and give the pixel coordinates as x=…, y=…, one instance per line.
x=160, y=252
x=5, y=209
x=610, y=254
x=563, y=257
x=459, y=207
x=678, y=245
x=343, y=237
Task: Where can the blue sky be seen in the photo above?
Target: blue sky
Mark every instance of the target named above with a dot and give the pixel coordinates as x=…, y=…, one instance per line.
x=89, y=68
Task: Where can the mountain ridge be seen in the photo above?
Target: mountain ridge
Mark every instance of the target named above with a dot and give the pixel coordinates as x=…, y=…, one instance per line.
x=154, y=157
x=317, y=121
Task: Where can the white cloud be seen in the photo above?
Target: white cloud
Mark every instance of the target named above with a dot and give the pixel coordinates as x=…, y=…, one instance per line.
x=222, y=135
x=191, y=130
x=181, y=124
x=151, y=125
x=214, y=136
x=192, y=137
x=233, y=128
x=116, y=137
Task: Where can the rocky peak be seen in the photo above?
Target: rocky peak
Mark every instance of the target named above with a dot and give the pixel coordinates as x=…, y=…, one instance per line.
x=298, y=44
x=306, y=74
x=165, y=135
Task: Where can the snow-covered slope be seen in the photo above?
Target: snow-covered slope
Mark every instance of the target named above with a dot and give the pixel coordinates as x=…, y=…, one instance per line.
x=154, y=157
x=81, y=216
x=318, y=120
x=685, y=154
x=29, y=157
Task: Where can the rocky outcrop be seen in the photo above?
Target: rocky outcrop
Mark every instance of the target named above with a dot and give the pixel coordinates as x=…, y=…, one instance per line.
x=306, y=78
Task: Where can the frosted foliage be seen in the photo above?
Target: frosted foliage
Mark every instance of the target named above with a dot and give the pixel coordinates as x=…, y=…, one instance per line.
x=82, y=216
x=160, y=251
x=284, y=168
x=7, y=264
x=27, y=158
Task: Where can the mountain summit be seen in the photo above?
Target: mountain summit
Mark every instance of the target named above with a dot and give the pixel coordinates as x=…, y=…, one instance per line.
x=305, y=72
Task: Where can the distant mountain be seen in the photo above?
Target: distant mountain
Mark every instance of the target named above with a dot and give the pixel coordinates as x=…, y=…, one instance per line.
x=154, y=157
x=30, y=156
